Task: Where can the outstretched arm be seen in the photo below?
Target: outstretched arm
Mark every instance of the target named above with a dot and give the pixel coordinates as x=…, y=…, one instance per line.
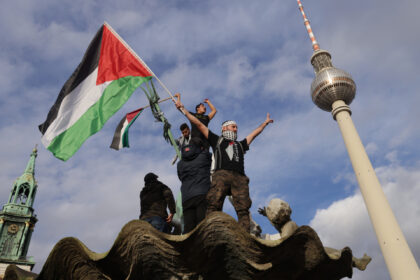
x=258, y=130
x=262, y=211
x=201, y=127
x=213, y=109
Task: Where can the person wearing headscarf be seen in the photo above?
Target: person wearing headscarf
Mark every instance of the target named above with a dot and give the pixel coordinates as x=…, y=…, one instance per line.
x=229, y=177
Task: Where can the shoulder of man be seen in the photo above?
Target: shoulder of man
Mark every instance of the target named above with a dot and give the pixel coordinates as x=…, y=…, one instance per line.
x=244, y=145
x=212, y=138
x=159, y=183
x=165, y=188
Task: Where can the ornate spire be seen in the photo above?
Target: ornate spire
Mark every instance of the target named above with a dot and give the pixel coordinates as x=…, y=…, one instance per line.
x=24, y=188
x=30, y=167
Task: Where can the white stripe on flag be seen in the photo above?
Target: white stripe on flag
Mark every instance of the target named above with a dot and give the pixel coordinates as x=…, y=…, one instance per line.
x=74, y=105
x=120, y=145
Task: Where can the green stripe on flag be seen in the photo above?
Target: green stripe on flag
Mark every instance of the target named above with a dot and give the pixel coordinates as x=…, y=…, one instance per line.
x=114, y=96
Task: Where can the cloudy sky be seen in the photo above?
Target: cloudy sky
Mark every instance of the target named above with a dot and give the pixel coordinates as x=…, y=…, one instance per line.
x=248, y=58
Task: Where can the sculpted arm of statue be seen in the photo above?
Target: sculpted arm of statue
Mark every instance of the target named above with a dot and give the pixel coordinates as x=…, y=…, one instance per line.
x=288, y=229
x=262, y=211
x=201, y=127
x=213, y=109
x=258, y=130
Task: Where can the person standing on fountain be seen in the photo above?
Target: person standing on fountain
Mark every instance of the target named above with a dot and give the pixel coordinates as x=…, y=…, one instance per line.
x=155, y=197
x=200, y=111
x=194, y=172
x=229, y=176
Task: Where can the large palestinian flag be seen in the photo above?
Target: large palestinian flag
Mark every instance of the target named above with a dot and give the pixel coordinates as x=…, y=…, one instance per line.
x=107, y=76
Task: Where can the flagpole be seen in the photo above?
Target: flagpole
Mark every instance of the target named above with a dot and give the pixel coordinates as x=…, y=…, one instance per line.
x=140, y=60
x=160, y=101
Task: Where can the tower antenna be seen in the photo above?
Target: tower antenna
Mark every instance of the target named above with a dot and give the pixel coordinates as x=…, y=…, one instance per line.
x=315, y=45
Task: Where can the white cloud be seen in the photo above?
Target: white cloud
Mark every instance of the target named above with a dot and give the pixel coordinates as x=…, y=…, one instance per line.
x=371, y=148
x=346, y=222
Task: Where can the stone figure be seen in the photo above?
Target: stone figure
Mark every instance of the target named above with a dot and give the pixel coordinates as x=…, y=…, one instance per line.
x=278, y=213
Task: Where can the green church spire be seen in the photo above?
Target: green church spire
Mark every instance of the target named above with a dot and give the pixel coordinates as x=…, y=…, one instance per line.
x=24, y=189
x=17, y=219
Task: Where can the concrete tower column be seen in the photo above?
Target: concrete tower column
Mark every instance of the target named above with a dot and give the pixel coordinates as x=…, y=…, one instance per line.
x=398, y=256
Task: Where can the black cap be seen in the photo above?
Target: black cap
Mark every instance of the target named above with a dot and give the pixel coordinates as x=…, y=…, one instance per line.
x=150, y=177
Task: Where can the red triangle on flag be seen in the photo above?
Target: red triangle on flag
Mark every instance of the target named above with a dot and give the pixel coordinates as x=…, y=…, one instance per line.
x=116, y=61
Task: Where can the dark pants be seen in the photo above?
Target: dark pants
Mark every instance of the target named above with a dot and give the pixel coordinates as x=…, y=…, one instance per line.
x=194, y=210
x=158, y=223
x=226, y=182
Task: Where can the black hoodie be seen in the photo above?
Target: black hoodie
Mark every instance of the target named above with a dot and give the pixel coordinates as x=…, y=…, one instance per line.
x=194, y=171
x=154, y=198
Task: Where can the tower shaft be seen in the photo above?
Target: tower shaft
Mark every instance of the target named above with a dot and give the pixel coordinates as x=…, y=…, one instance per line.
x=398, y=256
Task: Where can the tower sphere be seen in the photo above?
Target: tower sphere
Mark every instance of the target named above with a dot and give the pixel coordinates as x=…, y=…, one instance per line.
x=330, y=83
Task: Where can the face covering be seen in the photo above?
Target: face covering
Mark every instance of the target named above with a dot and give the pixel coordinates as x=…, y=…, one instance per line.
x=229, y=135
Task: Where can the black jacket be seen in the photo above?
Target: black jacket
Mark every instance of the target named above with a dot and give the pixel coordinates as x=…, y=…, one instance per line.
x=154, y=198
x=194, y=173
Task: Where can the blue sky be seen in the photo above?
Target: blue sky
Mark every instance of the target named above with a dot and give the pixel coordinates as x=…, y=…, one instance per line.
x=249, y=58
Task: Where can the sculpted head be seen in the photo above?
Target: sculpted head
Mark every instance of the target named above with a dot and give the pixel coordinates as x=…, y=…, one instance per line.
x=278, y=212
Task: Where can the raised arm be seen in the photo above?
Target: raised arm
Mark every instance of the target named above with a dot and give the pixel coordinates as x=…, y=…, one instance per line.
x=258, y=130
x=212, y=108
x=201, y=127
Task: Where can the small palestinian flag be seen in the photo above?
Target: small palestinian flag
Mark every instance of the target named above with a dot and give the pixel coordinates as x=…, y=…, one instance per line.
x=107, y=76
x=120, y=139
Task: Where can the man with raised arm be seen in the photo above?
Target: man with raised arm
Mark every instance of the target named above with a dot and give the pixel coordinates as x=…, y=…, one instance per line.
x=229, y=177
x=200, y=114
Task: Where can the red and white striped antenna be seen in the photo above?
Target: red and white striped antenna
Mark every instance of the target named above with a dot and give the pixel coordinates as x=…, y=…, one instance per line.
x=315, y=45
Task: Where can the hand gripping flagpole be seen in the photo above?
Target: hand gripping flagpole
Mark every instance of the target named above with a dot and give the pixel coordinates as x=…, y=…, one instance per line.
x=153, y=105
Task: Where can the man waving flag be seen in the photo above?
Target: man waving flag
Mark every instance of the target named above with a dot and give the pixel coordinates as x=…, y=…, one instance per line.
x=109, y=73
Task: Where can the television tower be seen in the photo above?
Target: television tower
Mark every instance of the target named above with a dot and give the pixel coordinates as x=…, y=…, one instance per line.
x=333, y=90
